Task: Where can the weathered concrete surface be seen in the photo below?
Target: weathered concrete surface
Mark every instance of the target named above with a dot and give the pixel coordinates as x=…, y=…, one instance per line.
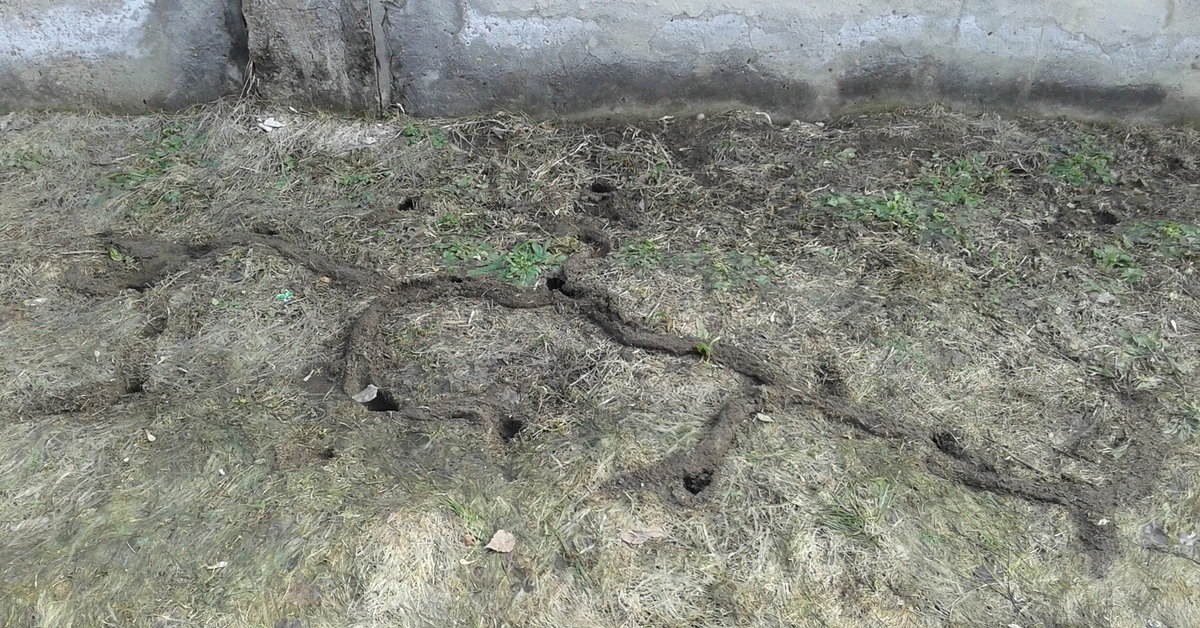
x=124, y=55
x=1135, y=59
x=318, y=52
x=1113, y=59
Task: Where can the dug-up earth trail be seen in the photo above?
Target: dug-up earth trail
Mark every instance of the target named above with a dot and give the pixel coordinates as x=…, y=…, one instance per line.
x=914, y=368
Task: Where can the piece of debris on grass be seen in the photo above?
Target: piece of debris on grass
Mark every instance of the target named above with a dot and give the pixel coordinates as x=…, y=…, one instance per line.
x=637, y=535
x=502, y=541
x=150, y=437
x=366, y=394
x=270, y=124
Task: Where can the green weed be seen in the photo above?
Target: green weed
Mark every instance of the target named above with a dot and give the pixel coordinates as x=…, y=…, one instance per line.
x=963, y=181
x=465, y=223
x=1172, y=240
x=24, y=160
x=414, y=134
x=897, y=211
x=641, y=255
x=733, y=270
x=473, y=523
x=705, y=343
x=116, y=255
x=1082, y=165
x=163, y=150
x=523, y=265
x=1185, y=422
x=459, y=253
x=1143, y=359
x=1110, y=257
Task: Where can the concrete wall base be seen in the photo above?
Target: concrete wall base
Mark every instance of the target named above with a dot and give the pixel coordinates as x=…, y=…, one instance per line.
x=1108, y=59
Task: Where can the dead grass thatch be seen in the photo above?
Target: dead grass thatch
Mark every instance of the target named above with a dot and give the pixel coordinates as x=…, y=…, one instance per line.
x=988, y=411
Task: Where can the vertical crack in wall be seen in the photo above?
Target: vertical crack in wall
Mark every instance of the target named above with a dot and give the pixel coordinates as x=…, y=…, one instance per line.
x=238, y=60
x=383, y=53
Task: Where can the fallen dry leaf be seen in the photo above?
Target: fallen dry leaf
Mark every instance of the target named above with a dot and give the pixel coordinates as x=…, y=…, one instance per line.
x=637, y=535
x=502, y=541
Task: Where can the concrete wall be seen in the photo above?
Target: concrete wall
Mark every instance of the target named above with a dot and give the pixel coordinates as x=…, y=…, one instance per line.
x=122, y=55
x=1115, y=59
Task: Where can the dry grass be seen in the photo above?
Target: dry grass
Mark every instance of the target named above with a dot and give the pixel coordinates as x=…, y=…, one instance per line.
x=182, y=454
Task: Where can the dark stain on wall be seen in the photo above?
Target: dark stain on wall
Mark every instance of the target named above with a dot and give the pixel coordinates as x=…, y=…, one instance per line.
x=589, y=88
x=884, y=77
x=898, y=82
x=1116, y=99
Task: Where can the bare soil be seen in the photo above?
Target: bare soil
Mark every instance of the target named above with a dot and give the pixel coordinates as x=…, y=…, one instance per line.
x=915, y=368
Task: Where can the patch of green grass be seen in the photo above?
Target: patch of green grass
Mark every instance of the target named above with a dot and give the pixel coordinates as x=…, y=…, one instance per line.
x=857, y=512
x=641, y=256
x=163, y=150
x=1082, y=164
x=472, y=520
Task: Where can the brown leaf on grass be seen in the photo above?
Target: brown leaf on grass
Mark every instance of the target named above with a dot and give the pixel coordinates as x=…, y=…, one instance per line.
x=636, y=535
x=502, y=541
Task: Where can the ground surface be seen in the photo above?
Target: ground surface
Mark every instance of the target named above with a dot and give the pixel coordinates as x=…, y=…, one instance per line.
x=907, y=369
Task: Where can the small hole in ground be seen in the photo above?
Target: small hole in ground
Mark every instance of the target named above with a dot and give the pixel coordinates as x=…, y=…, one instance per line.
x=510, y=427
x=408, y=204
x=135, y=386
x=329, y=453
x=555, y=283
x=948, y=444
x=1105, y=217
x=383, y=402
x=601, y=186
x=599, y=246
x=696, y=482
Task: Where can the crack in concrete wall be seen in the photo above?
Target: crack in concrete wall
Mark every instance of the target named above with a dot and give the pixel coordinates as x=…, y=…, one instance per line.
x=383, y=52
